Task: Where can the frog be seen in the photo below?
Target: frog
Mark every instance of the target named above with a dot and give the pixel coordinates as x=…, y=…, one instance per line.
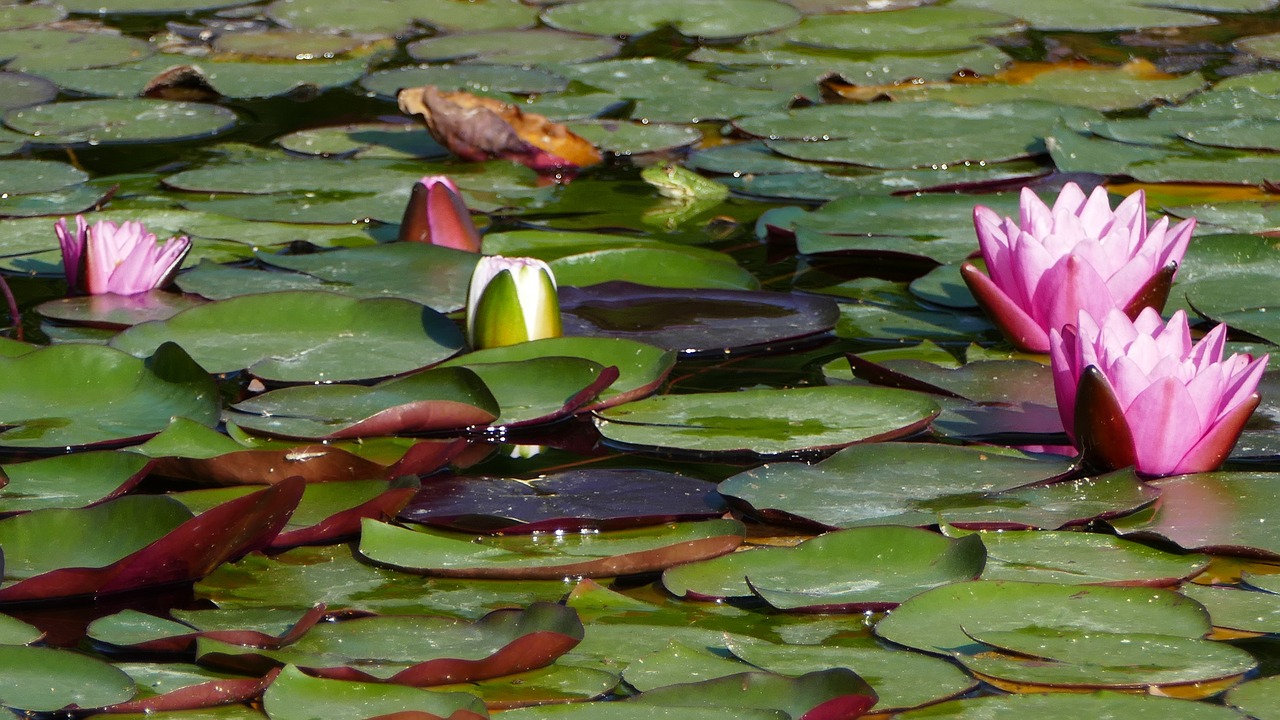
x=678, y=183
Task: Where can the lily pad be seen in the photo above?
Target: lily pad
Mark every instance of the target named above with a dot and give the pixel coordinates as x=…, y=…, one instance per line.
x=40, y=679
x=434, y=400
x=39, y=49
x=1076, y=558
x=99, y=395
x=166, y=74
x=767, y=421
x=23, y=177
x=940, y=620
x=575, y=500
x=296, y=696
x=394, y=17
x=146, y=7
x=878, y=568
x=515, y=47
x=1068, y=705
x=835, y=693
x=708, y=19
x=390, y=649
x=119, y=121
x=1259, y=698
x=555, y=683
x=69, y=481
x=707, y=321
x=481, y=79
x=543, y=556
x=382, y=140
x=117, y=311
x=303, y=336
x=1239, y=610
x=921, y=29
x=1221, y=512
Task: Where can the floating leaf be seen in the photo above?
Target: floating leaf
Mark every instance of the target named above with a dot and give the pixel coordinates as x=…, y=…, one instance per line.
x=296, y=696
x=397, y=16
x=515, y=47
x=1259, y=698
x=124, y=121
x=1069, y=705
x=39, y=679
x=40, y=49
x=767, y=421
x=1222, y=512
x=1239, y=610
x=304, y=336
x=586, y=554
x=1072, y=557
x=117, y=311
x=837, y=694
x=708, y=19
x=184, y=687
x=878, y=567
x=911, y=30
x=69, y=481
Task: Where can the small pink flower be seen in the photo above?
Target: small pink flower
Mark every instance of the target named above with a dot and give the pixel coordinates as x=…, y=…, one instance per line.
x=436, y=215
x=122, y=259
x=1078, y=255
x=1139, y=392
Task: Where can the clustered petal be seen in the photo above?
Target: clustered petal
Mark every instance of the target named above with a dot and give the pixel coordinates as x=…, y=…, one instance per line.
x=437, y=215
x=1053, y=262
x=1183, y=406
x=122, y=259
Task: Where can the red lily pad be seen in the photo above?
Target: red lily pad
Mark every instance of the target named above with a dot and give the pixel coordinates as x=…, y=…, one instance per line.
x=694, y=322
x=599, y=499
x=391, y=648
x=537, y=557
x=265, y=627
x=164, y=546
x=174, y=687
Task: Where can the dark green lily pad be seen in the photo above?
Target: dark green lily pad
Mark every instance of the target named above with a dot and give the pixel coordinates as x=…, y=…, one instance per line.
x=878, y=567
x=586, y=554
x=940, y=620
x=651, y=267
x=1108, y=704
x=391, y=270
x=837, y=691
x=1220, y=299
x=642, y=368
x=19, y=16
x=911, y=30
x=434, y=400
x=24, y=177
x=122, y=121
x=514, y=47
x=1083, y=558
x=1171, y=162
x=706, y=19
x=229, y=78
x=304, y=336
x=887, y=483
x=1096, y=15
x=1217, y=512
x=1106, y=89
x=394, y=17
x=380, y=140
x=628, y=138
x=1087, y=658
x=1234, y=609
x=99, y=395
x=390, y=648
x=301, y=45
x=296, y=696
x=565, y=387
x=69, y=481
x=767, y=421
x=679, y=663
x=40, y=679
x=575, y=500
x=146, y=7
x=555, y=683
x=19, y=89
x=901, y=680
x=692, y=322
x=37, y=50
x=634, y=711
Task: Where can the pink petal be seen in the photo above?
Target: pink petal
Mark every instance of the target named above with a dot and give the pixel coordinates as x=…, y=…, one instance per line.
x=1066, y=375
x=1212, y=449
x=1018, y=327
x=1164, y=426
x=1067, y=288
x=73, y=250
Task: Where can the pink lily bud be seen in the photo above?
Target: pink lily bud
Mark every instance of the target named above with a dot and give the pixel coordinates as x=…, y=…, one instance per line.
x=1052, y=263
x=122, y=259
x=1139, y=392
x=436, y=215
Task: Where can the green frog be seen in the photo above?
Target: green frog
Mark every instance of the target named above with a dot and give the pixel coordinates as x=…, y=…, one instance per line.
x=678, y=183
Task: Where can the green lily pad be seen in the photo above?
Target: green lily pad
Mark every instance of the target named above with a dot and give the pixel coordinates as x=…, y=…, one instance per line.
x=538, y=46
x=628, y=138
x=1095, y=15
x=99, y=395
x=19, y=16
x=1221, y=512
x=40, y=679
x=634, y=711
x=708, y=19
x=555, y=683
x=40, y=49
x=1234, y=609
x=390, y=648
x=479, y=79
x=301, y=45
x=902, y=680
x=654, y=267
x=888, y=483
x=434, y=400
x=146, y=7
x=303, y=336
x=391, y=270
x=229, y=78
x=565, y=386
x=174, y=686
x=1259, y=698
x=940, y=620
x=680, y=663
x=1105, y=89
x=641, y=367
x=117, y=311
x=121, y=121
x=68, y=481
x=296, y=696
x=1070, y=705
x=798, y=697
x=24, y=177
x=1171, y=162
x=921, y=29
x=1077, y=558
x=588, y=554
x=1213, y=298
x=393, y=17
x=364, y=140
x=1061, y=658
x=1263, y=46
x=767, y=421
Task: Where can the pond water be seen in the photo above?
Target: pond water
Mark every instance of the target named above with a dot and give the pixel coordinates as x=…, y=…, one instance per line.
x=284, y=486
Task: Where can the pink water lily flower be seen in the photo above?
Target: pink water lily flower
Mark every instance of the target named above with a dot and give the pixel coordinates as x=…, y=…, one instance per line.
x=123, y=259
x=1078, y=255
x=436, y=215
x=1139, y=392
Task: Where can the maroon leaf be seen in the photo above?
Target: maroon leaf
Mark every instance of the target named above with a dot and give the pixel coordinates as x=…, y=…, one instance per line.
x=203, y=695
x=346, y=523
